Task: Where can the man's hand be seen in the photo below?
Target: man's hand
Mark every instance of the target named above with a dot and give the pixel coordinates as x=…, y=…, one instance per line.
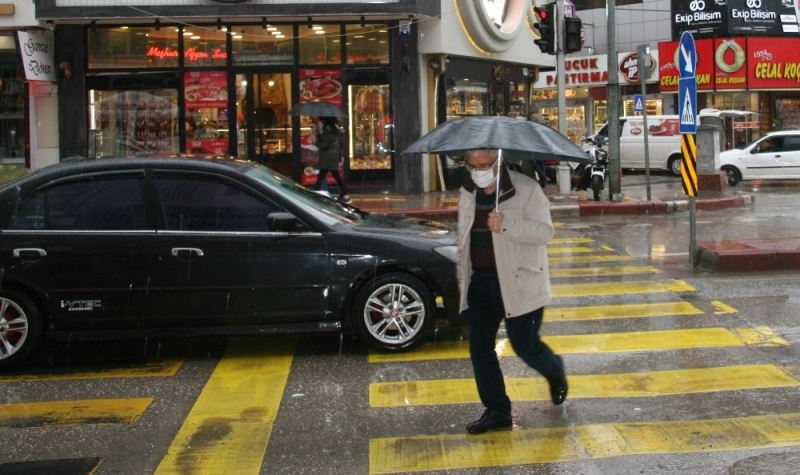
x=495, y=222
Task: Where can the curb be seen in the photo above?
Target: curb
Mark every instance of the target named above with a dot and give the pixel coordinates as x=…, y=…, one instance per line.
x=734, y=256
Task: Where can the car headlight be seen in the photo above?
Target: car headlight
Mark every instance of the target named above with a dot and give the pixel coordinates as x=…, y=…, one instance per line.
x=448, y=252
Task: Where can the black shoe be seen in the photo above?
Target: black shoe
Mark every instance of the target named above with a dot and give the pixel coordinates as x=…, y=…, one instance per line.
x=490, y=420
x=558, y=386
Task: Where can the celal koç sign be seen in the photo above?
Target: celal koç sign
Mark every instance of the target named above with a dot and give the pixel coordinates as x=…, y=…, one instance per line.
x=715, y=18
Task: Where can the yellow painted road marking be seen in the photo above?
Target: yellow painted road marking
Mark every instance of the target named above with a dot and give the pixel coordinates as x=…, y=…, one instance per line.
x=584, y=386
x=589, y=259
x=84, y=411
x=594, y=441
x=569, y=250
x=593, y=289
x=604, y=312
x=760, y=336
x=607, y=248
x=578, y=240
x=660, y=340
x=602, y=271
x=147, y=370
x=721, y=308
x=230, y=424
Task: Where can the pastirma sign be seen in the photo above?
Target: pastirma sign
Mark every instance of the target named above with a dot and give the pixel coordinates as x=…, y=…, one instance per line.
x=36, y=51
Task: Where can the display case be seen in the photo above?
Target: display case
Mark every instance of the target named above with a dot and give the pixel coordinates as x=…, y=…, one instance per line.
x=576, y=120
x=371, y=127
x=466, y=98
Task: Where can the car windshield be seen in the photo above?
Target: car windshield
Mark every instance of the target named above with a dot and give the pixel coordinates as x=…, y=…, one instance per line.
x=326, y=209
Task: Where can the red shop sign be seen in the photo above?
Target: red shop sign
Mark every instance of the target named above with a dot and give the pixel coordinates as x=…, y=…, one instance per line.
x=668, y=71
x=730, y=63
x=773, y=63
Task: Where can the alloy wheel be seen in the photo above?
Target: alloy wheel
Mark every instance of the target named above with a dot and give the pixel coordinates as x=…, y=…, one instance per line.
x=394, y=313
x=13, y=328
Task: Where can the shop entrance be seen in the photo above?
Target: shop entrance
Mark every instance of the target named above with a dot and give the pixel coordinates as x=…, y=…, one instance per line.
x=264, y=128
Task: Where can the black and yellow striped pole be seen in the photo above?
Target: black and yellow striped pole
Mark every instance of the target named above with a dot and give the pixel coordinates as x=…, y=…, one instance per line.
x=689, y=182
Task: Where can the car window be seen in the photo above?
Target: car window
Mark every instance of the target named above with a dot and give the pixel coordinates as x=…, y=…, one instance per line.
x=206, y=203
x=791, y=143
x=770, y=145
x=107, y=203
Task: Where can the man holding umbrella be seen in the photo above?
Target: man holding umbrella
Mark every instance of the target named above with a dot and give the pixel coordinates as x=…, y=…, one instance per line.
x=504, y=274
x=503, y=229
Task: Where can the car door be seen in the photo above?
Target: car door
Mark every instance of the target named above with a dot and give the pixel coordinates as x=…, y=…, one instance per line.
x=764, y=158
x=87, y=243
x=222, y=264
x=790, y=156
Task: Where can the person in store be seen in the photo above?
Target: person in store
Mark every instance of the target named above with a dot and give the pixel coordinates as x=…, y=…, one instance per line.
x=328, y=142
x=503, y=275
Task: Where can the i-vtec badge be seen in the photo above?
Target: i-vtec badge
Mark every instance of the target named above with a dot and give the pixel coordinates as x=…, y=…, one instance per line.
x=80, y=305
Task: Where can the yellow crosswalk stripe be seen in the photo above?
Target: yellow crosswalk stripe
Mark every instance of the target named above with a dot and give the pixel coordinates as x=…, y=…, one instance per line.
x=583, y=386
x=593, y=289
x=659, y=340
x=230, y=424
x=594, y=259
x=721, y=308
x=605, y=312
x=593, y=441
x=147, y=370
x=84, y=411
x=576, y=240
x=602, y=271
x=569, y=250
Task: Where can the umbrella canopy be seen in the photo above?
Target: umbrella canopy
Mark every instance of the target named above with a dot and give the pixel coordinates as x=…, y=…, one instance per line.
x=518, y=139
x=320, y=109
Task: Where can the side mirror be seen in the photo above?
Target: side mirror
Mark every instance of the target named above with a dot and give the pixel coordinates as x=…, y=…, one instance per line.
x=281, y=221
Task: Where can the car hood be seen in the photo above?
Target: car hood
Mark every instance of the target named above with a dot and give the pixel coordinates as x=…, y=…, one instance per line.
x=406, y=226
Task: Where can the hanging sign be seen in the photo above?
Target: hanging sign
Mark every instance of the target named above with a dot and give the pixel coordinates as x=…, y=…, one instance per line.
x=36, y=51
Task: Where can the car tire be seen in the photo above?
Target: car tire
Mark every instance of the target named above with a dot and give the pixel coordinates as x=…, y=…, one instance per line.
x=674, y=165
x=394, y=312
x=733, y=175
x=20, y=328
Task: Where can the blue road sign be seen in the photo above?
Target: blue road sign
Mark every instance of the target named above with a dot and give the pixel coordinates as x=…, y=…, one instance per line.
x=638, y=103
x=687, y=56
x=687, y=105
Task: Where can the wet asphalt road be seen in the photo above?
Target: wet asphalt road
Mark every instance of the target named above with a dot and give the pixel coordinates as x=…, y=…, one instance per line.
x=671, y=371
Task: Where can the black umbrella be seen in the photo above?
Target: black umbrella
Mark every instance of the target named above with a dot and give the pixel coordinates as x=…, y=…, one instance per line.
x=518, y=139
x=514, y=139
x=320, y=109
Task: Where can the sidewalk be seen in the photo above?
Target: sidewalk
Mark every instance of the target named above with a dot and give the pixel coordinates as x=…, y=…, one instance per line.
x=728, y=256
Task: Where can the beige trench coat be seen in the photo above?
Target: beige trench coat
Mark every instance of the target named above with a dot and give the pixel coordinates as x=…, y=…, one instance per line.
x=520, y=249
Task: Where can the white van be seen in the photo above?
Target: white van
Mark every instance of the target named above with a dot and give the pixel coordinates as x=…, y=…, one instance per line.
x=664, y=142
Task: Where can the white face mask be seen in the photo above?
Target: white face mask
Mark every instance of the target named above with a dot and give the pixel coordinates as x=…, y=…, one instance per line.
x=482, y=178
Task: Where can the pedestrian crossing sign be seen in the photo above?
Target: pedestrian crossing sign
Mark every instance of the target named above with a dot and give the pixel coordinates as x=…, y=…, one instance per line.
x=638, y=103
x=687, y=105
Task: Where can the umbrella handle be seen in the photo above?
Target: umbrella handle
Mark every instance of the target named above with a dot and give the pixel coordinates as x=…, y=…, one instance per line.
x=497, y=187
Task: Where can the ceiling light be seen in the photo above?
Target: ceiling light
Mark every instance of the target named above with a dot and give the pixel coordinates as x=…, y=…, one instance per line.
x=316, y=27
x=237, y=37
x=320, y=32
x=187, y=33
x=359, y=36
x=271, y=28
x=195, y=37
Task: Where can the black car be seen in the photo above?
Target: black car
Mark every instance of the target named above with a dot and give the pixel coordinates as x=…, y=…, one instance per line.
x=134, y=246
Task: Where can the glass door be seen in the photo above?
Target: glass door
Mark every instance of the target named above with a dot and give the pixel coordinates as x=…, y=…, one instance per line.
x=370, y=132
x=264, y=127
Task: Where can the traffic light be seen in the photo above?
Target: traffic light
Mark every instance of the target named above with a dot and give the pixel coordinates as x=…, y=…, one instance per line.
x=572, y=34
x=546, y=27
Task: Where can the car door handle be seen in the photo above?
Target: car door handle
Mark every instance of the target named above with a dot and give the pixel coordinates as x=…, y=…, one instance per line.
x=31, y=253
x=183, y=251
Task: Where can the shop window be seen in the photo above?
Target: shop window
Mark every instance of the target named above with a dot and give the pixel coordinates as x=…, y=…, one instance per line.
x=206, y=99
x=371, y=141
x=126, y=123
x=367, y=45
x=465, y=98
x=133, y=48
x=320, y=44
x=257, y=45
x=272, y=98
x=204, y=46
x=12, y=123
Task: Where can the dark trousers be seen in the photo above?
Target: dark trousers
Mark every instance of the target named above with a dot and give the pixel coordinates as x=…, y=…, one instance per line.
x=486, y=311
x=323, y=173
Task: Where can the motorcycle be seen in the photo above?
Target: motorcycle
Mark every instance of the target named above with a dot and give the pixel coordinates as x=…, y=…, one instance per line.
x=593, y=175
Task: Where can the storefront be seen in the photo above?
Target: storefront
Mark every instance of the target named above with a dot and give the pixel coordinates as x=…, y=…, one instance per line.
x=180, y=84
x=759, y=75
x=586, y=80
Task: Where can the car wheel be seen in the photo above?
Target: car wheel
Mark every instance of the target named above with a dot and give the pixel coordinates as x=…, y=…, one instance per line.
x=674, y=165
x=20, y=328
x=394, y=312
x=733, y=175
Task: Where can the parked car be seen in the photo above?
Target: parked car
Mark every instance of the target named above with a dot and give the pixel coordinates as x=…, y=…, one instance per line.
x=137, y=246
x=663, y=138
x=774, y=156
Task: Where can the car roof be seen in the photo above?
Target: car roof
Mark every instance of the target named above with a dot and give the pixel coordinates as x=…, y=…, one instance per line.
x=784, y=132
